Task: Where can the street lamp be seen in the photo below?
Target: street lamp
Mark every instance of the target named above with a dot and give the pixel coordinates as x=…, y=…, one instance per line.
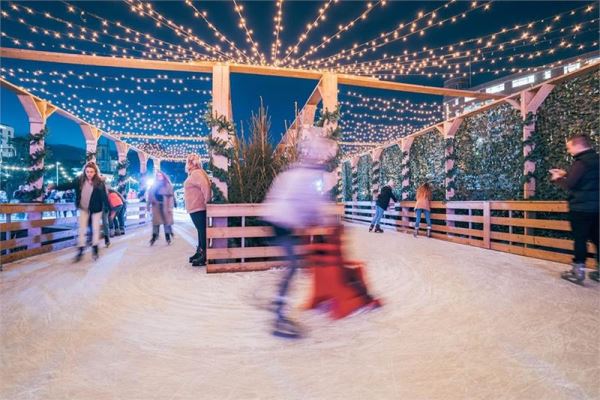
x=56, y=164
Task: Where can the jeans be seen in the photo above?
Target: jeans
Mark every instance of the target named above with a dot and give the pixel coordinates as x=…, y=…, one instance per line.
x=114, y=219
x=105, y=223
x=121, y=216
x=199, y=220
x=284, y=238
x=378, y=215
x=584, y=226
x=427, y=217
x=156, y=229
x=84, y=218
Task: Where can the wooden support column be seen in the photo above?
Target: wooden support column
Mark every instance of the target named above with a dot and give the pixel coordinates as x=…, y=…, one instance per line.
x=405, y=145
x=354, y=169
x=529, y=102
x=221, y=106
x=122, y=149
x=156, y=162
x=376, y=171
x=143, y=162
x=91, y=135
x=328, y=89
x=448, y=129
x=37, y=113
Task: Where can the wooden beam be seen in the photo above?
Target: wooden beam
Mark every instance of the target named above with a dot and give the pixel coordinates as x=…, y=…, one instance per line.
x=206, y=67
x=159, y=137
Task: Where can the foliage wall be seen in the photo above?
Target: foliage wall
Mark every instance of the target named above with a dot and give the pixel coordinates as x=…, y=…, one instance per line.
x=364, y=169
x=426, y=164
x=488, y=149
x=572, y=107
x=391, y=167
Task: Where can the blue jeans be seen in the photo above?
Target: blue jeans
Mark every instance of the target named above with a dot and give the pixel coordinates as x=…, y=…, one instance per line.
x=285, y=239
x=377, y=216
x=427, y=217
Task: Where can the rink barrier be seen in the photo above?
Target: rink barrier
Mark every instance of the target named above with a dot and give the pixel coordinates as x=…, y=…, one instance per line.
x=537, y=229
x=28, y=229
x=241, y=254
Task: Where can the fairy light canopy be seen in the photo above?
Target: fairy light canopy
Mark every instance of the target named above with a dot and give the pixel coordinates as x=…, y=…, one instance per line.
x=161, y=112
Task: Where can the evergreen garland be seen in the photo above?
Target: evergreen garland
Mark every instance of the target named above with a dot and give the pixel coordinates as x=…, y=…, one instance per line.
x=90, y=155
x=364, y=178
x=390, y=167
x=219, y=147
x=35, y=158
x=426, y=164
x=36, y=138
x=347, y=181
x=332, y=117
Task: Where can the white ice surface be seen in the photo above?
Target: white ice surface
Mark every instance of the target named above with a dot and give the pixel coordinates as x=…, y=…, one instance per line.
x=458, y=323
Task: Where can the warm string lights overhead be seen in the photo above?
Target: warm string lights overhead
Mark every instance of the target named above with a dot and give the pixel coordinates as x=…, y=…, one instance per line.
x=249, y=39
x=204, y=16
x=341, y=29
x=278, y=28
x=321, y=16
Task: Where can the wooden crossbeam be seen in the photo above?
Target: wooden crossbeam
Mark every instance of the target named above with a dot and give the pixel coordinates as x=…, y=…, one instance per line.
x=206, y=67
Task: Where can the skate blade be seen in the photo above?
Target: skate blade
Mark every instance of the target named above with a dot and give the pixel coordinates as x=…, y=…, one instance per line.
x=572, y=280
x=287, y=335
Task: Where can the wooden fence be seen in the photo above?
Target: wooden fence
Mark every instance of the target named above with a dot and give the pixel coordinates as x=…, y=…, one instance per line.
x=27, y=229
x=538, y=229
x=249, y=247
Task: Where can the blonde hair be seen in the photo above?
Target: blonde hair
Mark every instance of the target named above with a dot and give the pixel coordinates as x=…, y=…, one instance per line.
x=193, y=161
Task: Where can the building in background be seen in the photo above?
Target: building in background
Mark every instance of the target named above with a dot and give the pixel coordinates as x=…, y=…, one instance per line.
x=103, y=159
x=454, y=106
x=7, y=150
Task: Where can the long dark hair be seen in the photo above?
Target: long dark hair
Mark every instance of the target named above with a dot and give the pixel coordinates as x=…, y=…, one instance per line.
x=96, y=180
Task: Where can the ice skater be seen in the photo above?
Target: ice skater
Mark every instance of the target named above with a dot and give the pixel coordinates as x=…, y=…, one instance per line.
x=423, y=206
x=582, y=183
x=382, y=203
x=197, y=194
x=161, y=200
x=295, y=201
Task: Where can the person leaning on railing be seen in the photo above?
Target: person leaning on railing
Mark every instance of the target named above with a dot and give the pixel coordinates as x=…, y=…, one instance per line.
x=90, y=199
x=423, y=205
x=197, y=193
x=582, y=183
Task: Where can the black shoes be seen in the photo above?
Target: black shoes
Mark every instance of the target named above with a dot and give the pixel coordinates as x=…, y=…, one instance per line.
x=370, y=228
x=153, y=239
x=79, y=254
x=168, y=238
x=198, y=259
x=106, y=241
x=378, y=229
x=95, y=253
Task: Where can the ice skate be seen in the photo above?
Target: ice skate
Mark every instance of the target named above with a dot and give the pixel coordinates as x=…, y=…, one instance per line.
x=168, y=238
x=106, y=241
x=371, y=228
x=576, y=274
x=153, y=239
x=197, y=254
x=378, y=229
x=286, y=328
x=199, y=261
x=415, y=232
x=95, y=254
x=428, y=231
x=79, y=255
x=594, y=276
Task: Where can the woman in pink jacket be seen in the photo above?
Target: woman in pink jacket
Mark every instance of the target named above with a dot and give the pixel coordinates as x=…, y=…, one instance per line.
x=197, y=193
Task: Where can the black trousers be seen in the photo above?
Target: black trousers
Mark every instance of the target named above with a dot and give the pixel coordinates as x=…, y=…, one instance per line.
x=199, y=220
x=584, y=227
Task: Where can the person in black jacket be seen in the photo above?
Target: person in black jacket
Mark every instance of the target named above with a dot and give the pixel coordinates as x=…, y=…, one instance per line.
x=90, y=199
x=582, y=183
x=382, y=203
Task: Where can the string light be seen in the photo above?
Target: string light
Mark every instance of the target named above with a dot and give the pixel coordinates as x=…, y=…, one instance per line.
x=278, y=19
x=238, y=9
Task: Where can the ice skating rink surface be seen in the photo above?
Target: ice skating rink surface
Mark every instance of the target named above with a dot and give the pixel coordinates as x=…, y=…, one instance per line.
x=458, y=323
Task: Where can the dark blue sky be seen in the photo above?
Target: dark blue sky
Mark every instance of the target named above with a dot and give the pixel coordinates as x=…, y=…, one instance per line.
x=125, y=112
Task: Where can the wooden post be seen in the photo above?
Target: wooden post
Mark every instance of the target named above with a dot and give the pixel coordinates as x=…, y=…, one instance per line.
x=156, y=163
x=122, y=149
x=487, y=226
x=37, y=113
x=221, y=106
x=143, y=162
x=405, y=146
x=328, y=88
x=91, y=135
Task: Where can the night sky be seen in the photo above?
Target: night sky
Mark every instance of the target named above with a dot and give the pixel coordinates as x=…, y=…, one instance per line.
x=176, y=107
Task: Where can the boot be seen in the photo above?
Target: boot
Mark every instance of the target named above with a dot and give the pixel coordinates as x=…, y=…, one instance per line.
x=594, y=275
x=378, y=229
x=79, y=254
x=168, y=238
x=197, y=254
x=199, y=261
x=153, y=239
x=428, y=231
x=106, y=241
x=95, y=252
x=416, y=232
x=575, y=274
x=371, y=228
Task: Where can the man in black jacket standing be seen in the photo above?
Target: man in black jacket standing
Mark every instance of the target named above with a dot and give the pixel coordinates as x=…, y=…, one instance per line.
x=582, y=183
x=382, y=203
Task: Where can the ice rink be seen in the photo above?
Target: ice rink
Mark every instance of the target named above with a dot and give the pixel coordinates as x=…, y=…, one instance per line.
x=458, y=323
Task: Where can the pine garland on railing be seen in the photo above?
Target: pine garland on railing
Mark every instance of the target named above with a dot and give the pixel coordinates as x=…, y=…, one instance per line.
x=534, y=152
x=34, y=175
x=36, y=138
x=219, y=147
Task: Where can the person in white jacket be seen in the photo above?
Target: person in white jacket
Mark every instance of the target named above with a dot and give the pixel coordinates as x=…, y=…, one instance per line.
x=296, y=200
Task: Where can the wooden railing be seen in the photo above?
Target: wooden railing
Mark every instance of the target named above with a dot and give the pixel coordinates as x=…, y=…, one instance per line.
x=538, y=229
x=249, y=244
x=27, y=229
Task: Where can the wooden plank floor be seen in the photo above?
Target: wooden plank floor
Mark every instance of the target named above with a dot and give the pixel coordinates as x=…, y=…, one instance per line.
x=458, y=323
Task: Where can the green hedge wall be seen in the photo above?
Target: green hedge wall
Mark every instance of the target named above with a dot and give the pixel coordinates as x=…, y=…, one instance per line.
x=390, y=167
x=426, y=164
x=572, y=107
x=364, y=169
x=488, y=150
